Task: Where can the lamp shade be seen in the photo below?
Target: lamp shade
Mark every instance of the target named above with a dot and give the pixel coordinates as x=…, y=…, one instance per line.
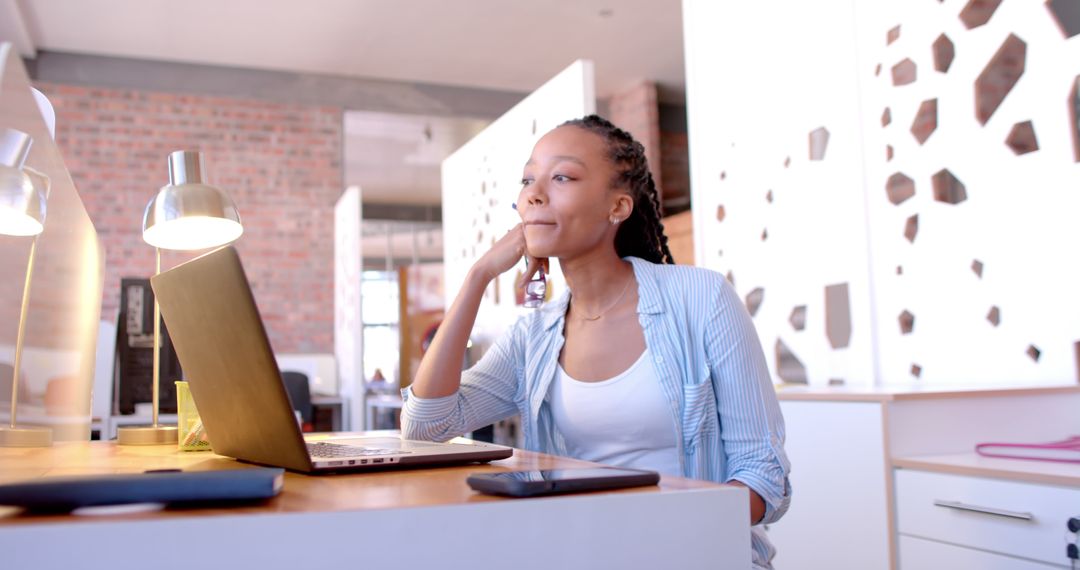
x=22, y=203
x=188, y=214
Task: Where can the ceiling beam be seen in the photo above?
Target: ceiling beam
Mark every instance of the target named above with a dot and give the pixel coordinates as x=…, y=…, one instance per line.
x=350, y=93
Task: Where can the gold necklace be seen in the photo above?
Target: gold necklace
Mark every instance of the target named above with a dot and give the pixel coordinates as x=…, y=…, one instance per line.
x=612, y=306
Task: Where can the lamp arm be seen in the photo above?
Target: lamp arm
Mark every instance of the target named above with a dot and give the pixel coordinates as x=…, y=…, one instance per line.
x=157, y=347
x=22, y=331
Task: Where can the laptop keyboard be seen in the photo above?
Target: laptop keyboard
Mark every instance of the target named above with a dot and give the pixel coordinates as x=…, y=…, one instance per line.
x=323, y=449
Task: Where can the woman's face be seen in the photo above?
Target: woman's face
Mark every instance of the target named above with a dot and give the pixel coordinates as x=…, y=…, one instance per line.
x=566, y=200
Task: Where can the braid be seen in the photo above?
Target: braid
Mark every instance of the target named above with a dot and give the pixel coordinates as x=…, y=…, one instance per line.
x=642, y=234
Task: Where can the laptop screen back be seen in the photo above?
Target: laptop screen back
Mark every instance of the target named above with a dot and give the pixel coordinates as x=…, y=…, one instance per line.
x=219, y=337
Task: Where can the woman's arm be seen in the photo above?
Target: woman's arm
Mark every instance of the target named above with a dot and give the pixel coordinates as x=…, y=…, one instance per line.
x=439, y=374
x=752, y=425
x=757, y=504
x=444, y=402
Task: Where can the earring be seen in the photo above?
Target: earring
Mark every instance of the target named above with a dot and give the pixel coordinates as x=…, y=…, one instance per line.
x=614, y=220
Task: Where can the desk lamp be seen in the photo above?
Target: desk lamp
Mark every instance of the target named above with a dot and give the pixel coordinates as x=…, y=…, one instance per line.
x=187, y=214
x=23, y=195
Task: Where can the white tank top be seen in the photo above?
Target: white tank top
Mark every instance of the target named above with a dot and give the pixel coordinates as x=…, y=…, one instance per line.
x=623, y=421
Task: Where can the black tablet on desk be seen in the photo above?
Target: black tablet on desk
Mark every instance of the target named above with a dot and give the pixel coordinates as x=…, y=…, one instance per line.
x=61, y=494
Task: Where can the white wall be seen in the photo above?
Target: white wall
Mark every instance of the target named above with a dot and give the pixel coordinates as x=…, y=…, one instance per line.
x=481, y=180
x=761, y=77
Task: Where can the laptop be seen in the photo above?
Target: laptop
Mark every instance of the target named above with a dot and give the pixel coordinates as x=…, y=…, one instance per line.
x=234, y=378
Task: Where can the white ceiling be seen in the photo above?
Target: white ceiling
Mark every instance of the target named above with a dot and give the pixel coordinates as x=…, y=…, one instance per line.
x=499, y=44
x=398, y=158
x=514, y=45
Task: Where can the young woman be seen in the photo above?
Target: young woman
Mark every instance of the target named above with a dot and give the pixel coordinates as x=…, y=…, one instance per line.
x=641, y=363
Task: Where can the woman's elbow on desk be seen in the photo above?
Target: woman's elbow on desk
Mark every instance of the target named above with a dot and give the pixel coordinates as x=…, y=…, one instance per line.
x=426, y=428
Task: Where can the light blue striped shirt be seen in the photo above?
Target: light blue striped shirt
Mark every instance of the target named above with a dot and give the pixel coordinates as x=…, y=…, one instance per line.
x=710, y=366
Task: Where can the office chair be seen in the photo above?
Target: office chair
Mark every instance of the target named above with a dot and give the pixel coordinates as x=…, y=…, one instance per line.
x=296, y=384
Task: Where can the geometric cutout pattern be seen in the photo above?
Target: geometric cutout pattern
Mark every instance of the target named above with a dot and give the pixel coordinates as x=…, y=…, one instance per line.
x=999, y=77
x=911, y=227
x=886, y=117
x=916, y=370
x=1022, y=139
x=899, y=188
x=838, y=315
x=788, y=366
x=907, y=322
x=720, y=213
x=977, y=267
x=943, y=53
x=819, y=141
x=978, y=12
x=925, y=120
x=994, y=316
x=947, y=188
x=1033, y=352
x=904, y=72
x=892, y=35
x=1067, y=15
x=754, y=299
x=798, y=318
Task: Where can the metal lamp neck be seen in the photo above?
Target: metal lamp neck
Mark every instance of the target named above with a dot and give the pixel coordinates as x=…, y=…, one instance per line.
x=185, y=167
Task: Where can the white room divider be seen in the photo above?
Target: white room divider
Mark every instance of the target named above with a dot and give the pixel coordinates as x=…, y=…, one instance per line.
x=348, y=324
x=782, y=217
x=892, y=184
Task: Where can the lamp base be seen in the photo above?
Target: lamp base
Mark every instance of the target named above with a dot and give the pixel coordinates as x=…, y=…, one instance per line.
x=146, y=435
x=25, y=437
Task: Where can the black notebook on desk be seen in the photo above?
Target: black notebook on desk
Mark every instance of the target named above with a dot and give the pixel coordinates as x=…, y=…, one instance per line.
x=169, y=487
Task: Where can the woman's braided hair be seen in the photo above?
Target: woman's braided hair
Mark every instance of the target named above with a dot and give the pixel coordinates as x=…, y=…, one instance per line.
x=642, y=234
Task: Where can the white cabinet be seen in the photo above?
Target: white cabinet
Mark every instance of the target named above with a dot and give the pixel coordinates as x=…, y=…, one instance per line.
x=1021, y=520
x=924, y=554
x=838, y=508
x=845, y=443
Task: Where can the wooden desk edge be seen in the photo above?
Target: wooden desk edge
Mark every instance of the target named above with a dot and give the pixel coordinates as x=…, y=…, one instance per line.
x=375, y=490
x=886, y=394
x=1011, y=469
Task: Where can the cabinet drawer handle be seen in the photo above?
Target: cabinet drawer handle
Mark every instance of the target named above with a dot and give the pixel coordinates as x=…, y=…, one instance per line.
x=985, y=510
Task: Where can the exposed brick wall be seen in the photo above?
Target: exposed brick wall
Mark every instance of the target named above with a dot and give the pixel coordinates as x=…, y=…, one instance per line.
x=675, y=164
x=636, y=111
x=281, y=163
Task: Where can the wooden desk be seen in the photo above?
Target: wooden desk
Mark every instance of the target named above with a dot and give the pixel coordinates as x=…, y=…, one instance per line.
x=406, y=518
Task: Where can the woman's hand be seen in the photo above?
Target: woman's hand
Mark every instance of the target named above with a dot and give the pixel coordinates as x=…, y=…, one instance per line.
x=505, y=254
